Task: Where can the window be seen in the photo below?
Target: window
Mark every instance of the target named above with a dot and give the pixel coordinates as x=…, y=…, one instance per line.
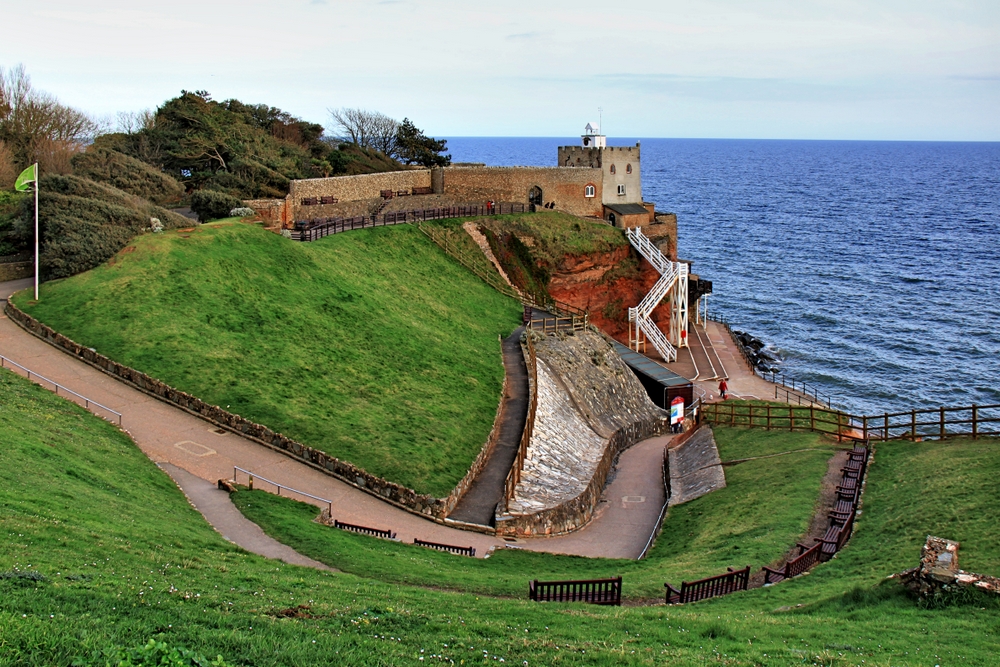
x=621, y=189
x=589, y=191
x=612, y=169
x=628, y=169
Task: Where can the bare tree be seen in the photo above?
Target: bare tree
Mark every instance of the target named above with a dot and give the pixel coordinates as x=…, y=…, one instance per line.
x=35, y=127
x=368, y=129
x=132, y=122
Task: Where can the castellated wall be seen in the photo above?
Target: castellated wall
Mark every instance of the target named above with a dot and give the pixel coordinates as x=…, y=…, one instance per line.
x=566, y=187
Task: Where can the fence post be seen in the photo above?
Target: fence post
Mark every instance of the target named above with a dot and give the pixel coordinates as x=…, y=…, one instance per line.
x=839, y=420
x=864, y=427
x=975, y=422
x=942, y=423
x=791, y=417
x=913, y=425
x=250, y=485
x=885, y=427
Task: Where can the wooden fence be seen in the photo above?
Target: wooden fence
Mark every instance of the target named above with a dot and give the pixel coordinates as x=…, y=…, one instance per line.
x=317, y=228
x=709, y=587
x=793, y=389
x=932, y=423
x=594, y=591
x=461, y=551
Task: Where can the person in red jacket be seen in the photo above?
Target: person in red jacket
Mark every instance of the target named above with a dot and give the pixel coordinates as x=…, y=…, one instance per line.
x=724, y=389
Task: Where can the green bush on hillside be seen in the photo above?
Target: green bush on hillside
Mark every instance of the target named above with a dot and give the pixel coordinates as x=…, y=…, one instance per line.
x=84, y=223
x=213, y=205
x=127, y=174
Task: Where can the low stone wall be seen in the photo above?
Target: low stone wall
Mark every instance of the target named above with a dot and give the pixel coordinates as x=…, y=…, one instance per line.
x=400, y=496
x=269, y=210
x=563, y=185
x=484, y=454
x=350, y=189
x=16, y=271
x=576, y=513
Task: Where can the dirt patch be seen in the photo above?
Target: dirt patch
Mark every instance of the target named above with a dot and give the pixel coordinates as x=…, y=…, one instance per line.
x=821, y=517
x=188, y=229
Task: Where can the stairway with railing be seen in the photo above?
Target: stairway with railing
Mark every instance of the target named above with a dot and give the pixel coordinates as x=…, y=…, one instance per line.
x=673, y=280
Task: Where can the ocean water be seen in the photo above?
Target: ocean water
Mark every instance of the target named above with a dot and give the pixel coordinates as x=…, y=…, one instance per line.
x=872, y=267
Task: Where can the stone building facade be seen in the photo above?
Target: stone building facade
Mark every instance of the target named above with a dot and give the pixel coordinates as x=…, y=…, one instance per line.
x=592, y=180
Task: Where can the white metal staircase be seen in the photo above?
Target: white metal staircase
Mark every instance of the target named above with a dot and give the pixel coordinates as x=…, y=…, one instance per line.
x=674, y=281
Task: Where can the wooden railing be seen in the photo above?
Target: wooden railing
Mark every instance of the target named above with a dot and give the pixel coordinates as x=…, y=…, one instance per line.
x=365, y=530
x=556, y=324
x=514, y=476
x=316, y=228
x=932, y=423
x=793, y=388
x=462, y=551
x=709, y=587
x=808, y=556
x=594, y=591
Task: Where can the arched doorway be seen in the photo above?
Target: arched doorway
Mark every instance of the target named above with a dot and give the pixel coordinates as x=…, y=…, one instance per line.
x=535, y=195
x=611, y=219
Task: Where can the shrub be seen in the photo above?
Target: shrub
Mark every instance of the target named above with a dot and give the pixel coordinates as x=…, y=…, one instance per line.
x=212, y=205
x=242, y=212
x=128, y=174
x=84, y=223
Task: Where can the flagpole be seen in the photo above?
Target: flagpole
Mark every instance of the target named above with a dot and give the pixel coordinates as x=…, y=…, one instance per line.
x=36, y=231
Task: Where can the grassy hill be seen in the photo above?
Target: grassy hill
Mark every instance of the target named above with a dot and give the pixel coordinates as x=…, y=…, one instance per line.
x=100, y=549
x=373, y=346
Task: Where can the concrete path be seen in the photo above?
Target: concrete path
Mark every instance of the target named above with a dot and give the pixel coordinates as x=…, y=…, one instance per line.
x=628, y=513
x=478, y=505
x=168, y=435
x=217, y=508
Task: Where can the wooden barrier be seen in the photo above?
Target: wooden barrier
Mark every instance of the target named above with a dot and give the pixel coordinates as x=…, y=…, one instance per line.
x=808, y=556
x=594, y=591
x=365, y=530
x=461, y=551
x=709, y=587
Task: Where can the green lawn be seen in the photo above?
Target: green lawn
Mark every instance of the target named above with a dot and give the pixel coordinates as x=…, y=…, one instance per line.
x=373, y=346
x=121, y=557
x=753, y=521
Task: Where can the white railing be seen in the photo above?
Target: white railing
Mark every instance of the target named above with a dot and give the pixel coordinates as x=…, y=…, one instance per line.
x=673, y=276
x=4, y=362
x=252, y=476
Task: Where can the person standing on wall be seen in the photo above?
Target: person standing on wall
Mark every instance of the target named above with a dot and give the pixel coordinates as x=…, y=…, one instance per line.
x=724, y=389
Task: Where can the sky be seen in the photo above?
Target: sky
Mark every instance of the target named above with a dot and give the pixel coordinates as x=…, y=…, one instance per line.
x=773, y=69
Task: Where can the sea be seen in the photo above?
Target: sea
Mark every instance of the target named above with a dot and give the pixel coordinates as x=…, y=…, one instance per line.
x=872, y=268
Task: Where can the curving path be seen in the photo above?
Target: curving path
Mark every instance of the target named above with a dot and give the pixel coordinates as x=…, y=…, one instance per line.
x=168, y=435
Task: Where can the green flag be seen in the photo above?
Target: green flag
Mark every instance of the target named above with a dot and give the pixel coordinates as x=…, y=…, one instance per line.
x=29, y=175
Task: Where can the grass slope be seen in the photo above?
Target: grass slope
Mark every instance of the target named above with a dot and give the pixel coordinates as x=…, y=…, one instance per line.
x=373, y=346
x=124, y=558
x=753, y=521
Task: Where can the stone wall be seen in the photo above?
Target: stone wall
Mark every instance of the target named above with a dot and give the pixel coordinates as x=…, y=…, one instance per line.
x=16, y=271
x=400, y=496
x=599, y=411
x=564, y=186
x=269, y=210
x=351, y=189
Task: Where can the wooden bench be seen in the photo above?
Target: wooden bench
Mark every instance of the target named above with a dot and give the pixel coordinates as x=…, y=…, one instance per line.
x=310, y=201
x=594, y=591
x=423, y=191
x=461, y=551
x=374, y=532
x=835, y=537
x=808, y=556
x=709, y=587
x=328, y=200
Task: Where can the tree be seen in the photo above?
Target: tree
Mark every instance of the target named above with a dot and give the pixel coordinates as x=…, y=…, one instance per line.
x=414, y=147
x=368, y=129
x=35, y=127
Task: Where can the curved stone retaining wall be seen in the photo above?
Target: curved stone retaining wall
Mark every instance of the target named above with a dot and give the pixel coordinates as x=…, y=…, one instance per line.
x=576, y=513
x=426, y=505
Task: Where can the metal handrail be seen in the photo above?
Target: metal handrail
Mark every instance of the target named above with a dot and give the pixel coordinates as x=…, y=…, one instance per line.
x=253, y=475
x=86, y=401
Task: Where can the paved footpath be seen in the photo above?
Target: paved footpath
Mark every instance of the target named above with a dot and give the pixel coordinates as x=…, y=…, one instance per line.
x=168, y=435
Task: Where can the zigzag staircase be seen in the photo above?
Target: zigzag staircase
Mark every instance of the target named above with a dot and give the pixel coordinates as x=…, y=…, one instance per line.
x=673, y=280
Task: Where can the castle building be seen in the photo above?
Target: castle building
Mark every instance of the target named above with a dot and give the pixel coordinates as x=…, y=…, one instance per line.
x=591, y=180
